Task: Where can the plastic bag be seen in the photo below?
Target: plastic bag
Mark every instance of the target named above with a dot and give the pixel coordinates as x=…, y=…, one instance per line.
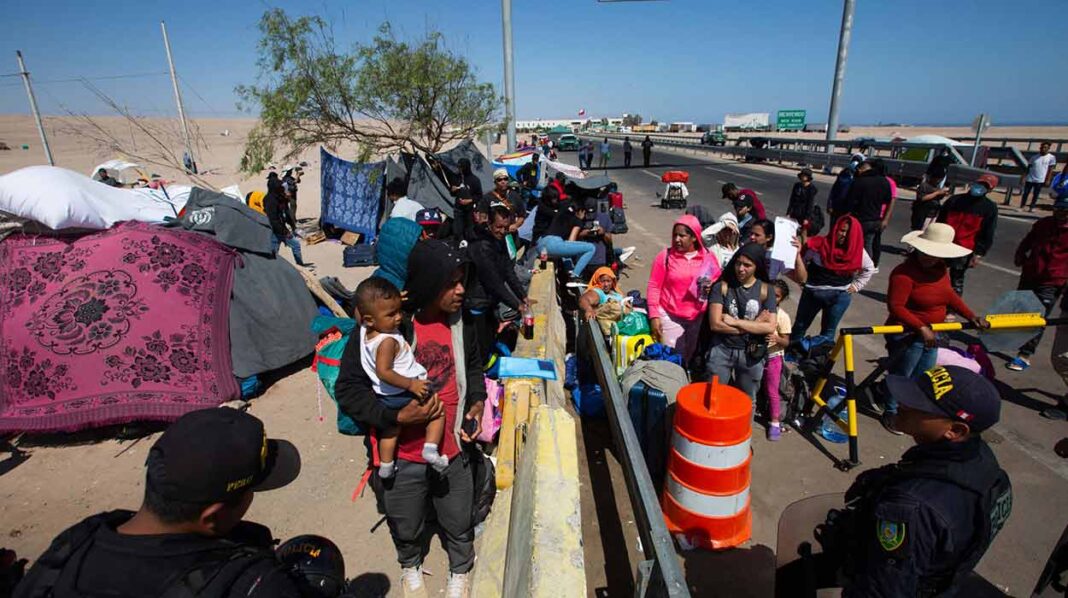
x=633, y=324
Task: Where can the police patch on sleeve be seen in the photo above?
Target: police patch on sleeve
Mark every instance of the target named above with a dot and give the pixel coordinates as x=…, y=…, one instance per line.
x=891, y=534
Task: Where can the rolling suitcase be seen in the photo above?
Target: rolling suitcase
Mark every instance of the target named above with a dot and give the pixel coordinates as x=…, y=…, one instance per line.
x=628, y=348
x=650, y=387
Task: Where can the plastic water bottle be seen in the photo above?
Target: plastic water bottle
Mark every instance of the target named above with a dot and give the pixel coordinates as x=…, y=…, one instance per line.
x=828, y=428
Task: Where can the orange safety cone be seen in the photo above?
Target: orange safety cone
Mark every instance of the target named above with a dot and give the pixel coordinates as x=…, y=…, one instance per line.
x=706, y=495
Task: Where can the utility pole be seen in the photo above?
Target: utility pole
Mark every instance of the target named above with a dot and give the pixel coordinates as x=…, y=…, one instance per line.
x=509, y=73
x=33, y=106
x=178, y=96
x=839, y=71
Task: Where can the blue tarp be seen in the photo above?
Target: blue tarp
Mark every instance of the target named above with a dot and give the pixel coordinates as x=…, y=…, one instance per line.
x=351, y=194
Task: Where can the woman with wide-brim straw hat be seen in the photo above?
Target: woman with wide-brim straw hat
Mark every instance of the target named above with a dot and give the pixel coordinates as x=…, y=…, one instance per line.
x=920, y=295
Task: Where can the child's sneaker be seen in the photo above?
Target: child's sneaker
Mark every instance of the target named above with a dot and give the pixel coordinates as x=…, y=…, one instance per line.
x=774, y=432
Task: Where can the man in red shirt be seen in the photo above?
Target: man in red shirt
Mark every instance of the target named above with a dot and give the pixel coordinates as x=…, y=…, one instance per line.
x=732, y=192
x=974, y=217
x=1043, y=257
x=448, y=349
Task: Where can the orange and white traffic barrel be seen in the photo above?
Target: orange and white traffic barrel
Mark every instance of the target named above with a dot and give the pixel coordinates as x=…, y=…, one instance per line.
x=706, y=494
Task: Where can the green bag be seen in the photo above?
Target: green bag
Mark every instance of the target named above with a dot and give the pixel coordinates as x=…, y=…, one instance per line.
x=633, y=324
x=333, y=335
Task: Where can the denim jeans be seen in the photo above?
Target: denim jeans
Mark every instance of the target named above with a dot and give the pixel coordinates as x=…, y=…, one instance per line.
x=291, y=242
x=732, y=367
x=909, y=357
x=1034, y=189
x=557, y=247
x=831, y=303
x=1048, y=296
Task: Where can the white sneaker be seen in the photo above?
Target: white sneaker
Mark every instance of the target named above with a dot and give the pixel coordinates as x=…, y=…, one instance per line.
x=457, y=586
x=412, y=582
x=627, y=252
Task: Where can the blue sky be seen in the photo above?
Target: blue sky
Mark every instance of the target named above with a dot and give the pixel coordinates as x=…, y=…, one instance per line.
x=912, y=61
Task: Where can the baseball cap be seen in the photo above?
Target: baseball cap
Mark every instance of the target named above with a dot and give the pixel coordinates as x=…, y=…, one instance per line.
x=428, y=217
x=989, y=180
x=950, y=391
x=727, y=188
x=213, y=455
x=743, y=201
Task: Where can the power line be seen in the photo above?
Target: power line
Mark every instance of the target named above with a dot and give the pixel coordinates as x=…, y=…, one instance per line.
x=80, y=79
x=197, y=94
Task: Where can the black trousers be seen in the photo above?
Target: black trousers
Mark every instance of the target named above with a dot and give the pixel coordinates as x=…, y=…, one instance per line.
x=452, y=493
x=645, y=158
x=485, y=325
x=626, y=159
x=873, y=239
x=1048, y=296
x=958, y=267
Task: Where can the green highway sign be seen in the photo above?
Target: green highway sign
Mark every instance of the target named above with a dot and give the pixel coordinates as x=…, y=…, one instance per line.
x=790, y=120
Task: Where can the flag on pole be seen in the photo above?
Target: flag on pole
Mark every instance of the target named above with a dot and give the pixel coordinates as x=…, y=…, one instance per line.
x=582, y=112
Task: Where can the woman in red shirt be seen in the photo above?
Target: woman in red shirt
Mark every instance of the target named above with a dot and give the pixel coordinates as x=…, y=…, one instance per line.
x=919, y=295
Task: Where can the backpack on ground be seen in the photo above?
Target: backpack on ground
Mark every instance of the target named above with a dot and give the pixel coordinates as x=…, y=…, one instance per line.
x=333, y=335
x=355, y=256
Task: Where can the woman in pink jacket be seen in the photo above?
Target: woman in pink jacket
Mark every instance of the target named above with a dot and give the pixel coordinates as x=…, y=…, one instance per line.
x=678, y=287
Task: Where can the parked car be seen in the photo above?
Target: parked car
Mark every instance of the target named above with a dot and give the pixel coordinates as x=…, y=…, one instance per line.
x=568, y=142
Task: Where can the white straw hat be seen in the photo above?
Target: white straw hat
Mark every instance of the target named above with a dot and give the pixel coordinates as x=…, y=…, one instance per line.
x=936, y=241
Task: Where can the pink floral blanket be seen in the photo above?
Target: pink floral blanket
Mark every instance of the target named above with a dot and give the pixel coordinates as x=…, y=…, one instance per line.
x=127, y=324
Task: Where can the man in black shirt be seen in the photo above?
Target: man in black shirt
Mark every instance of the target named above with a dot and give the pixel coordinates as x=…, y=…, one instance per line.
x=494, y=282
x=187, y=538
x=528, y=173
x=870, y=201
x=627, y=152
x=467, y=194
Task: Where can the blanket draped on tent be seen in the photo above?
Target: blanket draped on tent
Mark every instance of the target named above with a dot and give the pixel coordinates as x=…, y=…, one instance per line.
x=127, y=324
x=351, y=194
x=480, y=166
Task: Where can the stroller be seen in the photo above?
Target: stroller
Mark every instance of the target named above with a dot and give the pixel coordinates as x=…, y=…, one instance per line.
x=675, y=191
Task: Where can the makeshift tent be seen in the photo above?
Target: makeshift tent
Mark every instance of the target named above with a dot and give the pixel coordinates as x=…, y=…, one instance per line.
x=271, y=309
x=59, y=198
x=125, y=172
x=573, y=172
x=427, y=188
x=480, y=166
x=121, y=325
x=351, y=194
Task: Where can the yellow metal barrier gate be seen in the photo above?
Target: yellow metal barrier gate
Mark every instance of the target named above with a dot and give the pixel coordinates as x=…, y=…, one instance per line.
x=845, y=344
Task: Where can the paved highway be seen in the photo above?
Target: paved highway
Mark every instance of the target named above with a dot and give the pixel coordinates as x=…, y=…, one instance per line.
x=793, y=468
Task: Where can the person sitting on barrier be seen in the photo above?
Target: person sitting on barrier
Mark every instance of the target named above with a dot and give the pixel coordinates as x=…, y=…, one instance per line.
x=562, y=238
x=552, y=196
x=188, y=537
x=678, y=287
x=778, y=340
x=449, y=349
x=741, y=314
x=602, y=300
x=919, y=295
x=838, y=267
x=494, y=282
x=1043, y=258
x=918, y=527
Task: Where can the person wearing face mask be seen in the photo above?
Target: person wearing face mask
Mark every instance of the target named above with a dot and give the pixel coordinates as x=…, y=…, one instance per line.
x=974, y=217
x=1043, y=258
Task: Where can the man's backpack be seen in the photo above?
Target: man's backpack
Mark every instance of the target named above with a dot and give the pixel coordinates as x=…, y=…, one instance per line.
x=333, y=335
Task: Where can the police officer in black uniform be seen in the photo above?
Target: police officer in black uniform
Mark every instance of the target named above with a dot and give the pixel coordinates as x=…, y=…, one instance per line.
x=917, y=527
x=187, y=539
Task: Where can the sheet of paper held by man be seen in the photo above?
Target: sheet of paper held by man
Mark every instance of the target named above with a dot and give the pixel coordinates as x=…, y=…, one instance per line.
x=783, y=249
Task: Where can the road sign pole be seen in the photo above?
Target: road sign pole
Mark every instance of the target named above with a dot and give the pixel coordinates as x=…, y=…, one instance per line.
x=33, y=107
x=849, y=7
x=509, y=74
x=980, y=124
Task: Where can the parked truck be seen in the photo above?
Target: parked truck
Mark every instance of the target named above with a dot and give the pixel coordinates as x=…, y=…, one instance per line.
x=747, y=121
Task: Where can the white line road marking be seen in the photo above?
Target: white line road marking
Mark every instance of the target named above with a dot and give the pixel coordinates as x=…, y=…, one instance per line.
x=652, y=174
x=732, y=173
x=1001, y=268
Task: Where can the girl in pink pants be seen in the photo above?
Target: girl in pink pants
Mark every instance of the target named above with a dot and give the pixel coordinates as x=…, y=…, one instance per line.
x=777, y=343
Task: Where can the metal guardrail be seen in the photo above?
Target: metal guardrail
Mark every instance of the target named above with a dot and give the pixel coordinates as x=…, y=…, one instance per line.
x=815, y=153
x=660, y=574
